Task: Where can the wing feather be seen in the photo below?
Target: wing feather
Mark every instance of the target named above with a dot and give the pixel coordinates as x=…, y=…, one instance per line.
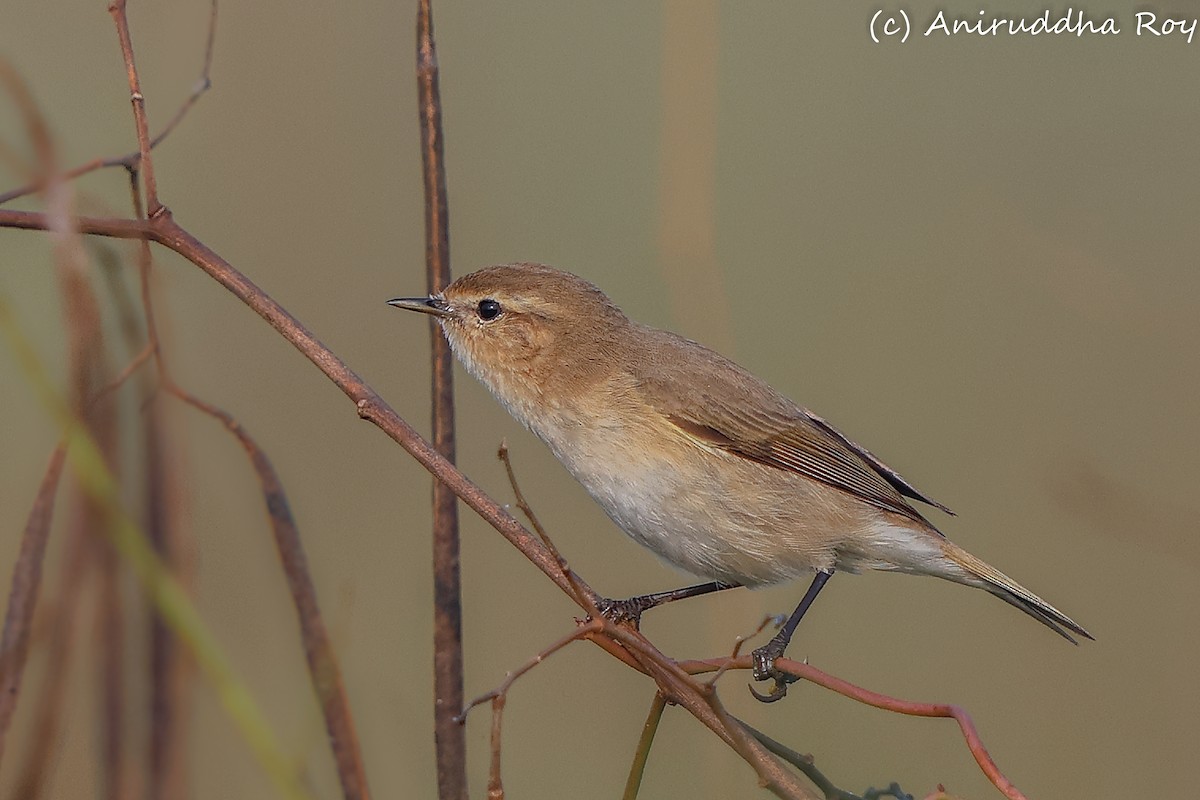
x=729, y=408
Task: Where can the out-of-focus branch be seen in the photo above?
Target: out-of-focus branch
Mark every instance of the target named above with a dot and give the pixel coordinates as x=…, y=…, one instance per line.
x=323, y=667
x=62, y=622
x=449, y=738
x=97, y=481
x=23, y=596
x=170, y=669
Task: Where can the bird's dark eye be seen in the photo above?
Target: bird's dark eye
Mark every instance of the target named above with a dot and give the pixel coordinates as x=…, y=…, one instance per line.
x=489, y=309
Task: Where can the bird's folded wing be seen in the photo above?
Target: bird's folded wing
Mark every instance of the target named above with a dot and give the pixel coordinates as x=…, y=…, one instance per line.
x=729, y=408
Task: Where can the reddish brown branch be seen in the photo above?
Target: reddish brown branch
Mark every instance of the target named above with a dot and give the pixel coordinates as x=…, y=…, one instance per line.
x=449, y=739
x=23, y=596
x=166, y=664
x=877, y=700
x=165, y=231
x=323, y=667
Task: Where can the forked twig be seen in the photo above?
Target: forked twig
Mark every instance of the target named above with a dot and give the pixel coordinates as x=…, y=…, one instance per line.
x=126, y=372
x=499, y=695
x=581, y=632
x=98, y=483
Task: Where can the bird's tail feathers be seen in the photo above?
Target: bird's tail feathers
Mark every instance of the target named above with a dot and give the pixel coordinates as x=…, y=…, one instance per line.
x=985, y=576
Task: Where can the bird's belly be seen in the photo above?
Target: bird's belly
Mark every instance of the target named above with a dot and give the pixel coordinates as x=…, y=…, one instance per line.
x=709, y=513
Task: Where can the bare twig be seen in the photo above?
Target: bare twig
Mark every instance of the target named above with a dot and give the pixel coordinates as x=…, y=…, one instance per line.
x=495, y=785
x=89, y=368
x=109, y=631
x=23, y=596
x=169, y=665
x=499, y=695
x=642, y=753
x=145, y=165
x=450, y=739
x=166, y=664
x=581, y=632
x=572, y=579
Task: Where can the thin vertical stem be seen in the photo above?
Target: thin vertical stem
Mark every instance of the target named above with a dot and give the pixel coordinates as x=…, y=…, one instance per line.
x=146, y=166
x=450, y=738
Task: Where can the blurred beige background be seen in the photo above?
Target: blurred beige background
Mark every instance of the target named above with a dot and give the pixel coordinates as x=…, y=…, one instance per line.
x=974, y=255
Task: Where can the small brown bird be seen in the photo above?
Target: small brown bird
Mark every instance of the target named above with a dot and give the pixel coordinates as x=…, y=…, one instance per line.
x=693, y=456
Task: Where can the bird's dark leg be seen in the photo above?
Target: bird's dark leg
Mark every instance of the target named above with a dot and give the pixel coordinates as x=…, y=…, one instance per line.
x=764, y=657
x=631, y=610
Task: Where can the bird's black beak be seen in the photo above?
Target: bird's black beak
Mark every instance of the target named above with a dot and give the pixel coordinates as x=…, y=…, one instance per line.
x=426, y=305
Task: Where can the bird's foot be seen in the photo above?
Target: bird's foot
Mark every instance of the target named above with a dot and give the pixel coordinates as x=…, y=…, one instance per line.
x=627, y=610
x=763, y=661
